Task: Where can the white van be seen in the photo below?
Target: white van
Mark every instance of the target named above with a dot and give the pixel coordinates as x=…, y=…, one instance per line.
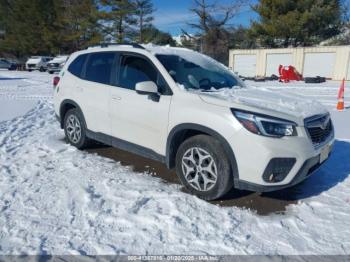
x=38, y=63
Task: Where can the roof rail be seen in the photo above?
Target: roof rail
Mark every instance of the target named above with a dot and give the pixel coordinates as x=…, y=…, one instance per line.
x=105, y=45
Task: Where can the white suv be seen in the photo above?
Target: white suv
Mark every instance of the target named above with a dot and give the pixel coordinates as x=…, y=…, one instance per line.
x=37, y=63
x=193, y=114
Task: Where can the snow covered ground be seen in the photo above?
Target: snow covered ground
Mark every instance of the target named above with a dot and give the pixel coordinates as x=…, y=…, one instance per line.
x=55, y=199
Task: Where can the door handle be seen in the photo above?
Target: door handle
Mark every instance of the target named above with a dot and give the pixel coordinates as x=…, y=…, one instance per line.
x=116, y=98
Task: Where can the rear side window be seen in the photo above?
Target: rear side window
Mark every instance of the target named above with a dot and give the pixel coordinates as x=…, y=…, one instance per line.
x=134, y=70
x=76, y=66
x=99, y=67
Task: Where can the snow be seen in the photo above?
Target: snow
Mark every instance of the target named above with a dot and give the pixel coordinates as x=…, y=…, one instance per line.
x=202, y=60
x=263, y=98
x=55, y=199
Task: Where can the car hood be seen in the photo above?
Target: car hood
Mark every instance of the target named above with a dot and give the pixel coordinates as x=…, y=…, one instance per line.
x=58, y=60
x=33, y=61
x=261, y=100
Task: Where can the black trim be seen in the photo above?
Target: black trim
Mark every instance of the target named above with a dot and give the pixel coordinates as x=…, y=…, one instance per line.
x=309, y=167
x=62, y=107
x=125, y=145
x=174, y=138
x=105, y=45
x=277, y=169
x=58, y=118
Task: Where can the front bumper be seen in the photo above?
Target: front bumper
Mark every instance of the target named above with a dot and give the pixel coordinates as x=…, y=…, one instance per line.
x=32, y=67
x=309, y=167
x=253, y=154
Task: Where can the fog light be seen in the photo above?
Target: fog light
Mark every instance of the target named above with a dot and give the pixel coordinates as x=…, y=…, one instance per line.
x=278, y=169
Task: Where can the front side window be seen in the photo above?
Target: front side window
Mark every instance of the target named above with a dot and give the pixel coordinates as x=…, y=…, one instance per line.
x=76, y=66
x=134, y=70
x=99, y=67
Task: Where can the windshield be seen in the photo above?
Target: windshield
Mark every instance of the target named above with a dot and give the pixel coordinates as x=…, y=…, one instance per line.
x=201, y=73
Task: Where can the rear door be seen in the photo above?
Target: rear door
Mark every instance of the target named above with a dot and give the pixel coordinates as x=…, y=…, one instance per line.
x=137, y=118
x=93, y=91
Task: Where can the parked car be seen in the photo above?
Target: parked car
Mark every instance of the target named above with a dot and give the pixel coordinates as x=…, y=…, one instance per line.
x=56, y=64
x=38, y=63
x=193, y=114
x=7, y=64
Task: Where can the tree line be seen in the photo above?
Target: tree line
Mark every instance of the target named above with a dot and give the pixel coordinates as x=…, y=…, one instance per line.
x=279, y=23
x=38, y=27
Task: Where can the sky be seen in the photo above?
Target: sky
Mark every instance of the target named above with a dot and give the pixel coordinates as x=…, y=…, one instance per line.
x=173, y=15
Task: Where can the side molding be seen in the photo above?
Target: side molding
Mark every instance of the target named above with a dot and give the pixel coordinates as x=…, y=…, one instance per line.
x=125, y=145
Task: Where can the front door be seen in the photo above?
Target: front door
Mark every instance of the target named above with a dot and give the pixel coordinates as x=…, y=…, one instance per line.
x=138, y=118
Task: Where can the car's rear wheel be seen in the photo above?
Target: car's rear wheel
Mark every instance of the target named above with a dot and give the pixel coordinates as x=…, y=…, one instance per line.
x=204, y=168
x=75, y=130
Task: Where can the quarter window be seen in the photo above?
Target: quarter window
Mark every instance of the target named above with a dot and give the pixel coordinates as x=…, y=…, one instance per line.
x=76, y=66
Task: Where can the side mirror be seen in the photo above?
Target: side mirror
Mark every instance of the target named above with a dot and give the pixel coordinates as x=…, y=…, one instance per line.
x=146, y=88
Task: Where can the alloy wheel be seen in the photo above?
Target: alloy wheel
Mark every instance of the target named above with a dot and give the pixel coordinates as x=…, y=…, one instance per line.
x=199, y=169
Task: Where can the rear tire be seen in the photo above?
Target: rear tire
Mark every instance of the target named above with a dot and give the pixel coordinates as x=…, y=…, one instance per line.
x=204, y=168
x=75, y=129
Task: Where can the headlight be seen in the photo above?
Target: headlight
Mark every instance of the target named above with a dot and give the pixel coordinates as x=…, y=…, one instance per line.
x=264, y=125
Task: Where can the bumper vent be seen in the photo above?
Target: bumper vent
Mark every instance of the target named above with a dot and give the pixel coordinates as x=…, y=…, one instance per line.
x=319, y=128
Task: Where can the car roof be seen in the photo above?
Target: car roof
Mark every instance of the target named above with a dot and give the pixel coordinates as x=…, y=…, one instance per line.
x=146, y=49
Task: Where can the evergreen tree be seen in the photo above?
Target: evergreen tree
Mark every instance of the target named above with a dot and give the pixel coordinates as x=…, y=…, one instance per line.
x=25, y=27
x=79, y=25
x=157, y=37
x=43, y=27
x=117, y=19
x=143, y=13
x=286, y=23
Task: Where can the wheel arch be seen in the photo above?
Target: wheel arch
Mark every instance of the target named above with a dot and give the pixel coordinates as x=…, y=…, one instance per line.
x=66, y=105
x=184, y=131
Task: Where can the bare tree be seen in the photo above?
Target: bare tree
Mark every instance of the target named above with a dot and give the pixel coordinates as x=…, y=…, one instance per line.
x=213, y=18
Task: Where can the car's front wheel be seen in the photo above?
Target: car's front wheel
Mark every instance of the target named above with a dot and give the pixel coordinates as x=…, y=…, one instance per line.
x=203, y=167
x=75, y=130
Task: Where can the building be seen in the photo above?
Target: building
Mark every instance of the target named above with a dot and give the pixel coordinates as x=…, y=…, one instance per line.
x=332, y=62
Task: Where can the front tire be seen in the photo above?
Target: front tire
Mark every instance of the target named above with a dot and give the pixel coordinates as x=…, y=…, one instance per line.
x=75, y=129
x=203, y=167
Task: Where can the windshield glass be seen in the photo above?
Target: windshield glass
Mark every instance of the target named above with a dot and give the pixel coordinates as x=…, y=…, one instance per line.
x=198, y=72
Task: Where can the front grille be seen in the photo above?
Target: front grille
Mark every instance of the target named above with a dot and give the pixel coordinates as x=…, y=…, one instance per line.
x=320, y=128
x=54, y=65
x=31, y=65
